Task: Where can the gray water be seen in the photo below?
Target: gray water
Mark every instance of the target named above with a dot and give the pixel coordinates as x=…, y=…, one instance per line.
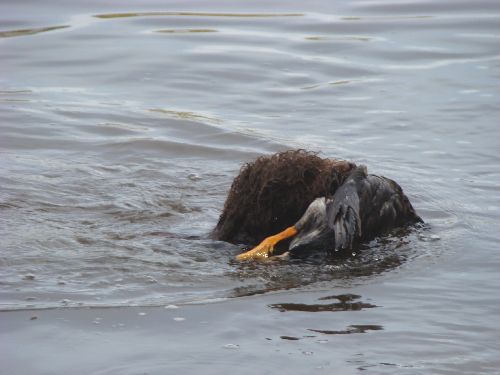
x=123, y=124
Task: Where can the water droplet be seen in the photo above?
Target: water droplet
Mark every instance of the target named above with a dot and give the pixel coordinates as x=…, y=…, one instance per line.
x=141, y=314
x=179, y=319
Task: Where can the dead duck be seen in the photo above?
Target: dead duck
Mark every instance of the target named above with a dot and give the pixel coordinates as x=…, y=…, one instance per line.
x=363, y=207
x=302, y=192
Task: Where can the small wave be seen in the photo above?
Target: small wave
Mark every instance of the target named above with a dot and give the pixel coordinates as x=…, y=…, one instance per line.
x=186, y=31
x=186, y=115
x=195, y=14
x=179, y=149
x=24, y=32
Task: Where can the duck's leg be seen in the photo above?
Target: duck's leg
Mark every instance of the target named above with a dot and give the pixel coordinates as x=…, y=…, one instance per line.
x=266, y=247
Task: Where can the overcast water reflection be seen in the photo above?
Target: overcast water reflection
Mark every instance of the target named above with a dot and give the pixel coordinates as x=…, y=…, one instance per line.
x=123, y=124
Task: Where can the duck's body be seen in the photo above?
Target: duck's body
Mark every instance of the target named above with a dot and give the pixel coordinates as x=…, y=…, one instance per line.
x=363, y=207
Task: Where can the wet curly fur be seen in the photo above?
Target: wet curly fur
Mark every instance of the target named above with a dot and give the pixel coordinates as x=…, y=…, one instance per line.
x=272, y=192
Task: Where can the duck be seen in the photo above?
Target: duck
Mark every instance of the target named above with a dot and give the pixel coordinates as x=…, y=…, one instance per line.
x=295, y=202
x=363, y=207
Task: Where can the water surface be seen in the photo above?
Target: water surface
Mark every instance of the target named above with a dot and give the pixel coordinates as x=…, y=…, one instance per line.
x=123, y=125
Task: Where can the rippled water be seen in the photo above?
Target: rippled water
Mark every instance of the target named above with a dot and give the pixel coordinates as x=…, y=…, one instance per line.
x=123, y=125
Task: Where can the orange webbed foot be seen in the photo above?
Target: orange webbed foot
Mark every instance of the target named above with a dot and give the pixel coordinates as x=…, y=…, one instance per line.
x=260, y=252
x=266, y=247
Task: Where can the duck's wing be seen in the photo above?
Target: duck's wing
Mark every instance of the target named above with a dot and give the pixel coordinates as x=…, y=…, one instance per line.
x=367, y=206
x=343, y=212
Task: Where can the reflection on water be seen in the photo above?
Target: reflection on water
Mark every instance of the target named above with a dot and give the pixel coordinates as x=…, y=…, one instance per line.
x=9, y=92
x=354, y=328
x=186, y=31
x=383, y=18
x=22, y=32
x=376, y=258
x=291, y=338
x=186, y=115
x=346, y=303
x=195, y=14
x=347, y=38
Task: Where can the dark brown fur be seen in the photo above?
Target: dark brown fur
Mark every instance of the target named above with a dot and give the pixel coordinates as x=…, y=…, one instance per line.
x=271, y=194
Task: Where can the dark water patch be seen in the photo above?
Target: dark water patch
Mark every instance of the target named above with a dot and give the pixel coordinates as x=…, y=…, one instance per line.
x=196, y=14
x=25, y=32
x=383, y=18
x=436, y=8
x=9, y=205
x=338, y=83
x=186, y=31
x=380, y=256
x=186, y=115
x=340, y=38
x=139, y=216
x=7, y=100
x=14, y=92
x=290, y=338
x=341, y=297
x=353, y=328
x=85, y=241
x=346, y=303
